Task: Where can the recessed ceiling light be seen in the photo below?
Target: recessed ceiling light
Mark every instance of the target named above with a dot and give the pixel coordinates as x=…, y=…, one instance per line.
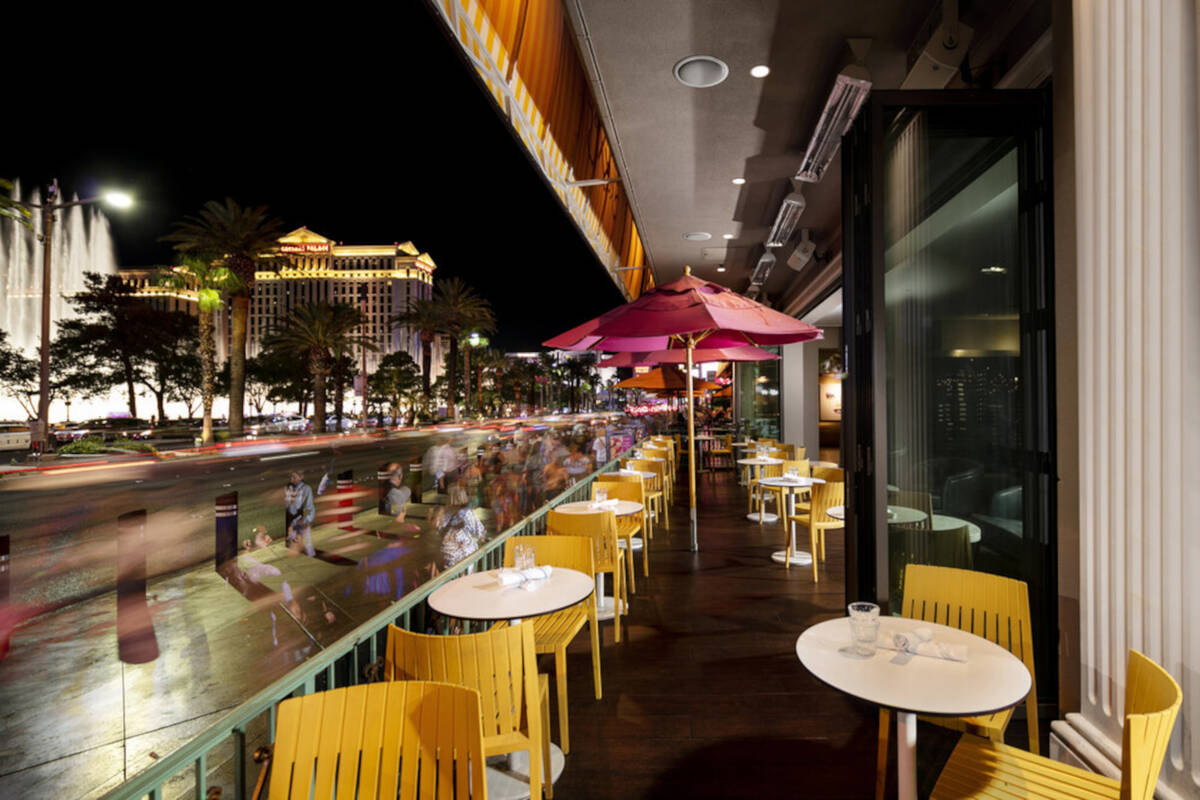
x=994, y=270
x=720, y=269
x=761, y=71
x=726, y=235
x=701, y=72
x=698, y=236
x=738, y=181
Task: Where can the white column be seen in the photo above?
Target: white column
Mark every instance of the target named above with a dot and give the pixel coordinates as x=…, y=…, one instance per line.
x=1137, y=216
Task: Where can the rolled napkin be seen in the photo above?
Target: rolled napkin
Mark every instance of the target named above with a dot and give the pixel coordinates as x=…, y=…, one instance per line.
x=604, y=504
x=511, y=577
x=919, y=642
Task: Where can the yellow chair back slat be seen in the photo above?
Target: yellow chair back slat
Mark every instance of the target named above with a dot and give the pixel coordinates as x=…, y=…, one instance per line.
x=402, y=738
x=599, y=527
x=777, y=452
x=657, y=467
x=798, y=451
x=824, y=497
x=618, y=477
x=500, y=664
x=569, y=552
x=800, y=465
x=830, y=474
x=1152, y=700
x=625, y=490
x=991, y=606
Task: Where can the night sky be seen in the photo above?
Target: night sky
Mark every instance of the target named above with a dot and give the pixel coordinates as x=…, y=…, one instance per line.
x=366, y=127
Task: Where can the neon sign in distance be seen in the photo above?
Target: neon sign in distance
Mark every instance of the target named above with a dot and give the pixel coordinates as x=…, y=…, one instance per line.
x=307, y=247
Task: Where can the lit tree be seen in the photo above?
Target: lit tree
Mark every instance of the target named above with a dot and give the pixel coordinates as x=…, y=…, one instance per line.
x=245, y=241
x=317, y=331
x=462, y=311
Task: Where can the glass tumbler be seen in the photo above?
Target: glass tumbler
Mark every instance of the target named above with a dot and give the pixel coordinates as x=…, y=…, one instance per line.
x=864, y=627
x=601, y=495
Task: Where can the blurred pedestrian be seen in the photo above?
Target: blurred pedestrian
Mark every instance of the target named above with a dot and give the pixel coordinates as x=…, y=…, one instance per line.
x=300, y=511
x=398, y=494
x=461, y=530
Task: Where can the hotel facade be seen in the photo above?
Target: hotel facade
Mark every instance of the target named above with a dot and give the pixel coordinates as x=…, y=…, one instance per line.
x=381, y=280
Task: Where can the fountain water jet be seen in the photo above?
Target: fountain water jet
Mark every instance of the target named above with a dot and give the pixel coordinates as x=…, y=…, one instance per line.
x=82, y=243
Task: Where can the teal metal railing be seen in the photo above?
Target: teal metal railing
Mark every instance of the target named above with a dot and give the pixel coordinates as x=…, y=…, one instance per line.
x=361, y=647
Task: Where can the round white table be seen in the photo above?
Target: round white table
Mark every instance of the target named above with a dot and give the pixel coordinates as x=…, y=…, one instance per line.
x=480, y=596
x=606, y=606
x=942, y=522
x=739, y=446
x=990, y=680
x=757, y=464
x=800, y=558
x=897, y=515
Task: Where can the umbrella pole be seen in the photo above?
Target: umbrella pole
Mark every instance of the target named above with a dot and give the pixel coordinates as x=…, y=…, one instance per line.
x=691, y=446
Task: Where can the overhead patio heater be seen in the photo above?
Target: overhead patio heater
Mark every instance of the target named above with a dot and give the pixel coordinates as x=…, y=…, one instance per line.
x=786, y=220
x=850, y=91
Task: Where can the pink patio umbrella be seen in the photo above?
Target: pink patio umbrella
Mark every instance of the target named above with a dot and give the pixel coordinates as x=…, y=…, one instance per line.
x=700, y=355
x=679, y=316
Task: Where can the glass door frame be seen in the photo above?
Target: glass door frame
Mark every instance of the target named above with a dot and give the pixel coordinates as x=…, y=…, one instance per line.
x=865, y=400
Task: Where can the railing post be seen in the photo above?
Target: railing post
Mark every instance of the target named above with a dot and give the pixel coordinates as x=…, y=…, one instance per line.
x=136, y=642
x=345, y=485
x=226, y=533
x=384, y=479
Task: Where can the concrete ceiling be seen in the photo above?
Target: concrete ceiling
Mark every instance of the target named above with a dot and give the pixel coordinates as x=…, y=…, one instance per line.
x=679, y=148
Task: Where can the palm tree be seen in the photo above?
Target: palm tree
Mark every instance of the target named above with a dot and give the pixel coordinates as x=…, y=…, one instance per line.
x=244, y=240
x=428, y=320
x=317, y=331
x=211, y=282
x=463, y=311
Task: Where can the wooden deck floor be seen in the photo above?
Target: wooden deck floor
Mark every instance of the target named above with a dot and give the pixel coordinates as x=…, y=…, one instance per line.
x=704, y=696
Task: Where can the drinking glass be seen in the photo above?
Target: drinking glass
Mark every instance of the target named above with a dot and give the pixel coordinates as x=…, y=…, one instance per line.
x=523, y=556
x=601, y=495
x=864, y=627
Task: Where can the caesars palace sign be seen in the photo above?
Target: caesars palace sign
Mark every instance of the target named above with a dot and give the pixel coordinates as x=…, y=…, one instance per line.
x=307, y=247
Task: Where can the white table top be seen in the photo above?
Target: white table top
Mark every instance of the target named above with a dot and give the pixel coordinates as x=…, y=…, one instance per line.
x=703, y=437
x=480, y=596
x=897, y=515
x=826, y=464
x=622, y=508
x=790, y=483
x=636, y=472
x=759, y=462
x=991, y=679
x=637, y=457
x=942, y=522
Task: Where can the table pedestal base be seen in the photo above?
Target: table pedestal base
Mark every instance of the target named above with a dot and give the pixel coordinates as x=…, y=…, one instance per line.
x=606, y=608
x=766, y=517
x=508, y=775
x=799, y=558
x=906, y=755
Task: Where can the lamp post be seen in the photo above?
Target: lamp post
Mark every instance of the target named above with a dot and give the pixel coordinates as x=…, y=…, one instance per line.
x=48, y=207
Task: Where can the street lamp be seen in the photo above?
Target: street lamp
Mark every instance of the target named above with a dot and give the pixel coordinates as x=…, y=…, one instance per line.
x=48, y=207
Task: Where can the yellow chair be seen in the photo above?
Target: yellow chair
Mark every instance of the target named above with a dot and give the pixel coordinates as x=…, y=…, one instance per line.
x=761, y=492
x=983, y=769
x=669, y=473
x=552, y=633
x=405, y=739
x=986, y=605
x=501, y=665
x=824, y=496
x=655, y=487
x=620, y=477
x=830, y=474
x=765, y=471
x=629, y=525
x=723, y=452
x=802, y=469
x=607, y=556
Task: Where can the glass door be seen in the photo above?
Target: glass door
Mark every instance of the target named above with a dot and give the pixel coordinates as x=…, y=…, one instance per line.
x=950, y=361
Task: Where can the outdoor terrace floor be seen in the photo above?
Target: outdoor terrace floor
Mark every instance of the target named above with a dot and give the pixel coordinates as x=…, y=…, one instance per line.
x=704, y=696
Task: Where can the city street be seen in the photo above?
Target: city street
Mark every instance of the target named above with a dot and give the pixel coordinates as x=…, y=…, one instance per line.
x=99, y=685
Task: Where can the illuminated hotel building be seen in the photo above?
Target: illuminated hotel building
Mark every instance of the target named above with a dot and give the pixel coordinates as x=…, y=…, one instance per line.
x=323, y=270
x=320, y=269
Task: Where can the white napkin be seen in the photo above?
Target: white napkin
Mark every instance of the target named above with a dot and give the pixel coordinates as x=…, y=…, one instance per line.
x=603, y=504
x=523, y=578
x=919, y=641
